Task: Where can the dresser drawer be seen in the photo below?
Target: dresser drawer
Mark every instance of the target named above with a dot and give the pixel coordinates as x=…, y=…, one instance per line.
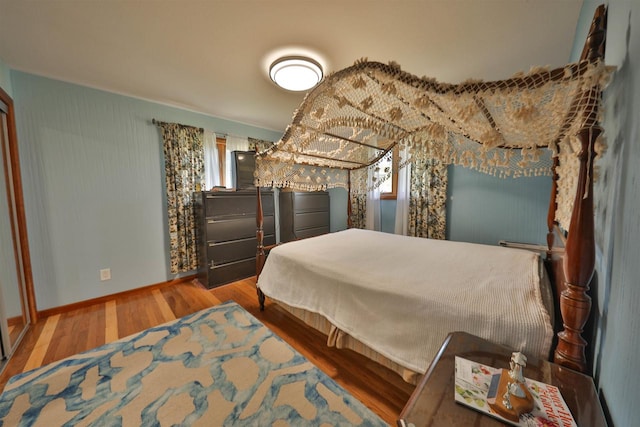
x=226, y=273
x=237, y=228
x=234, y=250
x=310, y=220
x=223, y=204
x=303, y=214
x=316, y=201
x=310, y=232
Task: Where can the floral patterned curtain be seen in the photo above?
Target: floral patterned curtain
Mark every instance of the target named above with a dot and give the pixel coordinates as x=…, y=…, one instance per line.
x=258, y=145
x=358, y=211
x=184, y=171
x=427, y=199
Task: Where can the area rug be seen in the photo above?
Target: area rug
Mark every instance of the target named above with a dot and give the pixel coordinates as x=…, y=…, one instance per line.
x=216, y=367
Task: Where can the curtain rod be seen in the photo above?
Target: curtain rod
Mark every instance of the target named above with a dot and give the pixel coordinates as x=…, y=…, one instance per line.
x=159, y=123
x=218, y=134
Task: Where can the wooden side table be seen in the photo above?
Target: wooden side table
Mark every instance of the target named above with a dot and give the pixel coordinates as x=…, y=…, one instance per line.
x=432, y=403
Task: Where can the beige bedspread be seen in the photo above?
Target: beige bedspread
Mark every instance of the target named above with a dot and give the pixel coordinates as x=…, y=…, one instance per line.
x=401, y=296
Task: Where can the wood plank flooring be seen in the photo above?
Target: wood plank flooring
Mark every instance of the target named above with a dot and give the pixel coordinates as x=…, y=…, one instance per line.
x=62, y=335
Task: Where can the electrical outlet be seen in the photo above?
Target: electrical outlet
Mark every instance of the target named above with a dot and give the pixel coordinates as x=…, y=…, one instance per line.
x=105, y=274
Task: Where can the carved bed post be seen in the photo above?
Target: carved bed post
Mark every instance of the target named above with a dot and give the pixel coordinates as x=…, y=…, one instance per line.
x=579, y=257
x=260, y=256
x=578, y=264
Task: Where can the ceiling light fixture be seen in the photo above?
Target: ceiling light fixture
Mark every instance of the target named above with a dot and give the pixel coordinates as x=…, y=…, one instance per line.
x=295, y=73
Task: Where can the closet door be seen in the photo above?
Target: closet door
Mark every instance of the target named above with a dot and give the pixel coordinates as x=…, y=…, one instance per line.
x=14, y=259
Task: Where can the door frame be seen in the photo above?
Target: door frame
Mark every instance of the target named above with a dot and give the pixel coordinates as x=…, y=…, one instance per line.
x=16, y=180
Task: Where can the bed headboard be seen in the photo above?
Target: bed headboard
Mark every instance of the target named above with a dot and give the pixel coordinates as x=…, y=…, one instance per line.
x=574, y=270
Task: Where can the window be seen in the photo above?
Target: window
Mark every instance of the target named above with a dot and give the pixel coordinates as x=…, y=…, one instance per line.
x=389, y=188
x=217, y=155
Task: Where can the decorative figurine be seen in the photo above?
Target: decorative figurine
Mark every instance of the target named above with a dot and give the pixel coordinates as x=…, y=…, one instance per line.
x=516, y=397
x=518, y=362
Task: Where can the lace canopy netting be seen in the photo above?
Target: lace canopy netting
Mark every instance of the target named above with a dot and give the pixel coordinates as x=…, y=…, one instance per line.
x=508, y=128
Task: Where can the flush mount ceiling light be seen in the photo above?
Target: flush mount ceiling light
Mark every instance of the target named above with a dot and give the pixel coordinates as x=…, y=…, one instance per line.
x=295, y=73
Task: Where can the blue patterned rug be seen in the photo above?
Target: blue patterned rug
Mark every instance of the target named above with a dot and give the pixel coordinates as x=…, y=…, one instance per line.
x=216, y=367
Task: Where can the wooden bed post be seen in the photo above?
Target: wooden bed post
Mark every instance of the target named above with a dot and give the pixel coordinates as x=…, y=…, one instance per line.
x=260, y=256
x=578, y=265
x=553, y=206
x=579, y=257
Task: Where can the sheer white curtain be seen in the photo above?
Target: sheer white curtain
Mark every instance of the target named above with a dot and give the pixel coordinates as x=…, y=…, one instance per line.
x=372, y=219
x=211, y=160
x=402, y=197
x=234, y=143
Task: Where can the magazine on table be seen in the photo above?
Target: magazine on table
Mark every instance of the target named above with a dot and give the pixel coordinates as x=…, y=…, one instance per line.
x=472, y=388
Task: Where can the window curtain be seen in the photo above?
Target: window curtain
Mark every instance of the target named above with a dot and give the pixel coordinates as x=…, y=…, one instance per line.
x=234, y=143
x=258, y=145
x=184, y=172
x=211, y=161
x=365, y=210
x=365, y=202
x=402, y=197
x=372, y=215
x=358, y=210
x=427, y=199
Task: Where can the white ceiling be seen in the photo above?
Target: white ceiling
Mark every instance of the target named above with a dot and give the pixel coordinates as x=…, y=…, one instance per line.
x=211, y=56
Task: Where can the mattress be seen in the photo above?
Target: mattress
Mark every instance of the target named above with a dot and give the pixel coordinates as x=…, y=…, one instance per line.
x=401, y=295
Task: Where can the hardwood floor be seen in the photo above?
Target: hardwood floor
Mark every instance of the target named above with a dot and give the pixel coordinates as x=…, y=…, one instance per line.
x=62, y=335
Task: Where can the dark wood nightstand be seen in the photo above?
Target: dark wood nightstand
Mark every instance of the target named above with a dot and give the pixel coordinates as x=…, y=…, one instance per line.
x=432, y=403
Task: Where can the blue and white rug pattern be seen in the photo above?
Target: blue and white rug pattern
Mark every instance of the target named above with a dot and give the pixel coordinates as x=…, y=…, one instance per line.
x=216, y=367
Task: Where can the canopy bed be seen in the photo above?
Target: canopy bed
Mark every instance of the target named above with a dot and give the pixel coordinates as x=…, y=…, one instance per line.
x=544, y=122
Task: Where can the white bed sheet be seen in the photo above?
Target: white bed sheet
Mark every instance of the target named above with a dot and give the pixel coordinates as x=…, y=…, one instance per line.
x=401, y=295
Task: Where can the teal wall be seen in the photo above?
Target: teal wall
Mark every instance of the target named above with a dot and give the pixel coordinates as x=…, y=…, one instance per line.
x=388, y=216
x=480, y=208
x=484, y=209
x=615, y=289
x=93, y=175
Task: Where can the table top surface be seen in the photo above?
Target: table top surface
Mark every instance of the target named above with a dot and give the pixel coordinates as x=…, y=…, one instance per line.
x=433, y=404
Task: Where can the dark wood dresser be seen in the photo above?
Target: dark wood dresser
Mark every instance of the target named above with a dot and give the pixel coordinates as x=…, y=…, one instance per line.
x=227, y=234
x=303, y=214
